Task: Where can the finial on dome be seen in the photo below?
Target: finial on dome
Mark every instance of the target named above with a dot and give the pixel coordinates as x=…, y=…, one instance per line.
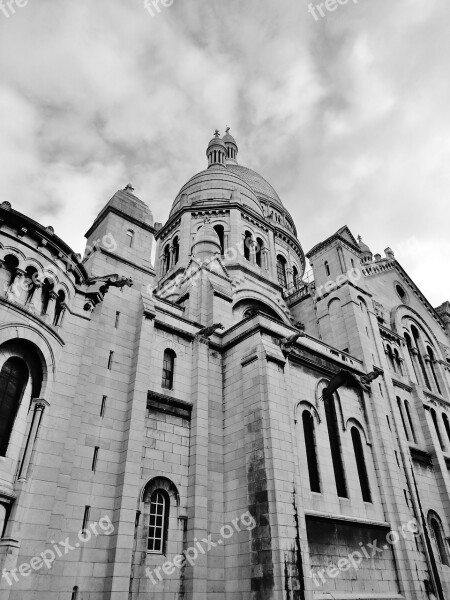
x=216, y=133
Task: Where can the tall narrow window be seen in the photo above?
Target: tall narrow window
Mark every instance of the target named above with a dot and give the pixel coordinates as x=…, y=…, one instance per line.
x=438, y=431
x=116, y=323
x=410, y=421
x=46, y=289
x=398, y=361
x=400, y=408
x=130, y=238
x=166, y=259
x=59, y=308
x=335, y=445
x=87, y=510
x=13, y=380
x=433, y=368
x=248, y=242
x=75, y=593
x=281, y=271
x=311, y=451
x=327, y=268
x=110, y=360
x=439, y=542
x=168, y=369
x=361, y=465
x=446, y=425
x=390, y=356
x=416, y=337
x=159, y=520
x=259, y=251
x=30, y=282
x=176, y=250
x=95, y=458
x=411, y=355
x=103, y=406
x=10, y=264
x=221, y=233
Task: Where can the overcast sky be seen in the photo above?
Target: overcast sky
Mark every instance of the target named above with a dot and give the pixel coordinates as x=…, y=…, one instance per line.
x=348, y=116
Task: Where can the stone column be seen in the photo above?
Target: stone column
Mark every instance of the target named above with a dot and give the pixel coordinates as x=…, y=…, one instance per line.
x=35, y=303
x=50, y=312
x=197, y=525
x=14, y=291
x=39, y=405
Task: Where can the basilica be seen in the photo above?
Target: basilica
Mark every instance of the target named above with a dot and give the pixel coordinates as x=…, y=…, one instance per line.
x=218, y=423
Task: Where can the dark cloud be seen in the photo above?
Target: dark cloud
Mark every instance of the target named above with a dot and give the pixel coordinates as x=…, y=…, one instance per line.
x=347, y=117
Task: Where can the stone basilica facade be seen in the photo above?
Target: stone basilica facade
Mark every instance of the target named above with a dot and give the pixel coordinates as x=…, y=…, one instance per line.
x=217, y=425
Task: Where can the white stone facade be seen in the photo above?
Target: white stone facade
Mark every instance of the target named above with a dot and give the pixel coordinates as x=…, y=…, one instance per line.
x=222, y=426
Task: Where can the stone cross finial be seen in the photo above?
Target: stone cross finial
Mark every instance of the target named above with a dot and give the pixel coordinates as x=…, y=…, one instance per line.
x=359, y=239
x=129, y=188
x=216, y=133
x=227, y=130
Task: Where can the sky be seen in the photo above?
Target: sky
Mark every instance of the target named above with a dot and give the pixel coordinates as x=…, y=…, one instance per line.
x=347, y=115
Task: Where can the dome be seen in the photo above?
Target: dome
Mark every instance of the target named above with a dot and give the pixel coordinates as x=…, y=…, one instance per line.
x=216, y=141
x=364, y=248
x=125, y=202
x=217, y=183
x=259, y=185
x=229, y=139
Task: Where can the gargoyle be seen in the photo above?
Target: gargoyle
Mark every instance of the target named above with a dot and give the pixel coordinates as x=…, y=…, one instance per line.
x=287, y=342
x=367, y=379
x=207, y=332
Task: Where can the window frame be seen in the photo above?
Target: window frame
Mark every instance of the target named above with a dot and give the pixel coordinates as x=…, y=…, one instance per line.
x=164, y=527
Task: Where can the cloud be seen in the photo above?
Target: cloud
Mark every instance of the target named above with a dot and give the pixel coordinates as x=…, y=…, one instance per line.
x=347, y=117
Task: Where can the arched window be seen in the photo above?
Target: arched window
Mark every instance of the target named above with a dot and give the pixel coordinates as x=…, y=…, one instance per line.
x=221, y=233
x=166, y=259
x=411, y=354
x=176, y=250
x=295, y=277
x=46, y=289
x=13, y=380
x=361, y=465
x=281, y=271
x=10, y=264
x=335, y=445
x=75, y=593
x=446, y=425
x=311, y=451
x=168, y=369
x=130, y=238
x=438, y=539
x=400, y=408
x=30, y=283
x=390, y=356
x=259, y=251
x=247, y=245
x=433, y=368
x=410, y=421
x=159, y=522
x=59, y=308
x=398, y=361
x=327, y=268
x=438, y=431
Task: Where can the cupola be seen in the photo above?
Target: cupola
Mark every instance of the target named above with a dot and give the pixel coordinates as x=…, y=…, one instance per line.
x=231, y=146
x=366, y=252
x=216, y=151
